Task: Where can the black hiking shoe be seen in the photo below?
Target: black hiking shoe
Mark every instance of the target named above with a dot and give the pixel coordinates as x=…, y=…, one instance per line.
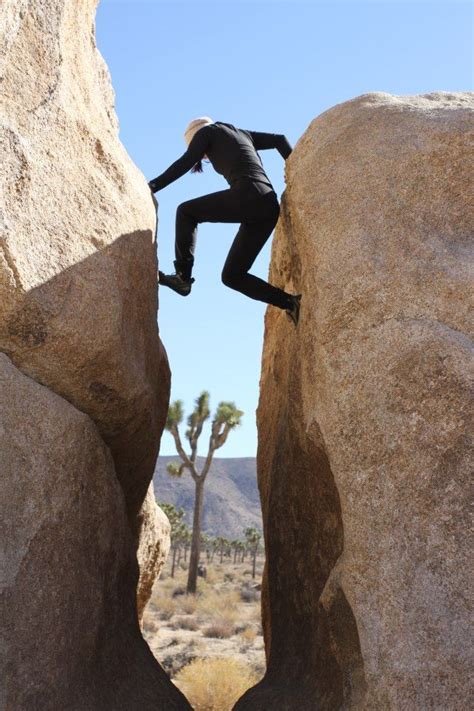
x=293, y=313
x=176, y=282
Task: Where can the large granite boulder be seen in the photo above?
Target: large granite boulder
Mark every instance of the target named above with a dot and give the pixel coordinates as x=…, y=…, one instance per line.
x=365, y=413
x=78, y=291
x=70, y=633
x=78, y=315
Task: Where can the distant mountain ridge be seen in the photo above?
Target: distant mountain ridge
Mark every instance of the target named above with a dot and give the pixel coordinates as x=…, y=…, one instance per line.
x=231, y=498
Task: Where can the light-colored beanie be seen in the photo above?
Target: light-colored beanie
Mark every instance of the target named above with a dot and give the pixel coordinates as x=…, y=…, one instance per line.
x=194, y=126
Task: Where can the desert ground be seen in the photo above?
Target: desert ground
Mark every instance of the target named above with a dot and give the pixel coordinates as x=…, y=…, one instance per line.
x=219, y=629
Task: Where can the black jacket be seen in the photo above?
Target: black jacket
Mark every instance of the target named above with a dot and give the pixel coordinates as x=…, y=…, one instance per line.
x=232, y=152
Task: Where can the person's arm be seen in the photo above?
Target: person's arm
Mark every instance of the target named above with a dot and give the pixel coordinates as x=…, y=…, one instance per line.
x=261, y=141
x=196, y=150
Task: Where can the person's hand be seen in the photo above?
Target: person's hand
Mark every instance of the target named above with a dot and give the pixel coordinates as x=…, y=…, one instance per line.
x=152, y=186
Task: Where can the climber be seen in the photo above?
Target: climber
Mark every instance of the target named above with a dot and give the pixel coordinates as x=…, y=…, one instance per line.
x=250, y=200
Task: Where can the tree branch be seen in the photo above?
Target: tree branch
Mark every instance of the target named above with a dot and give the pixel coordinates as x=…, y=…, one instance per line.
x=188, y=463
x=222, y=436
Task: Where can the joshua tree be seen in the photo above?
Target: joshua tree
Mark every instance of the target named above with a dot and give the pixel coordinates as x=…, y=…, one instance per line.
x=241, y=551
x=253, y=537
x=223, y=546
x=235, y=544
x=226, y=417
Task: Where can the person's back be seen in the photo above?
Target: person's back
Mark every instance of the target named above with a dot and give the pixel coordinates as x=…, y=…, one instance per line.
x=232, y=153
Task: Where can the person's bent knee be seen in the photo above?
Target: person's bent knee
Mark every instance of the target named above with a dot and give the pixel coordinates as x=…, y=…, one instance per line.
x=230, y=278
x=188, y=208
x=182, y=207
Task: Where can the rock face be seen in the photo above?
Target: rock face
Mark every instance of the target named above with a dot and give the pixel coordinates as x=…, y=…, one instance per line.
x=364, y=413
x=70, y=634
x=153, y=548
x=85, y=386
x=78, y=295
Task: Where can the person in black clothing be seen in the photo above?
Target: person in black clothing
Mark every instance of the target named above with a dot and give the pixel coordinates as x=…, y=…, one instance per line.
x=251, y=200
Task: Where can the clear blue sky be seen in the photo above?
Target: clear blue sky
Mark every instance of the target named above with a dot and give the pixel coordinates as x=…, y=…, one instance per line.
x=265, y=66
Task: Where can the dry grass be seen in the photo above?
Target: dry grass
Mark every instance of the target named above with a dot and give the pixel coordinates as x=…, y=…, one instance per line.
x=166, y=608
x=188, y=604
x=185, y=623
x=217, y=622
x=248, y=636
x=215, y=684
x=220, y=629
x=213, y=574
x=218, y=603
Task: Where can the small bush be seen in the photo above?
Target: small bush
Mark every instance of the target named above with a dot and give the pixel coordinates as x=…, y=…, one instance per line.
x=188, y=604
x=215, y=603
x=249, y=595
x=220, y=629
x=215, y=684
x=174, y=662
x=212, y=576
x=185, y=623
x=179, y=591
x=166, y=608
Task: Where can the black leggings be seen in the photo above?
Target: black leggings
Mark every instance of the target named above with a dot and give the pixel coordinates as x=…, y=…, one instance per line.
x=253, y=204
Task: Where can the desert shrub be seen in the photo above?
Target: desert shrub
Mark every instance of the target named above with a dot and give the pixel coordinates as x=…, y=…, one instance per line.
x=212, y=577
x=249, y=595
x=188, y=604
x=240, y=628
x=174, y=662
x=166, y=608
x=215, y=684
x=183, y=565
x=185, y=623
x=219, y=629
x=215, y=603
x=230, y=577
x=248, y=636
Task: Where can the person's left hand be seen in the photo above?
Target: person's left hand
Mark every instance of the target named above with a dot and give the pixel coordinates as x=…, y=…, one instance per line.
x=152, y=186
